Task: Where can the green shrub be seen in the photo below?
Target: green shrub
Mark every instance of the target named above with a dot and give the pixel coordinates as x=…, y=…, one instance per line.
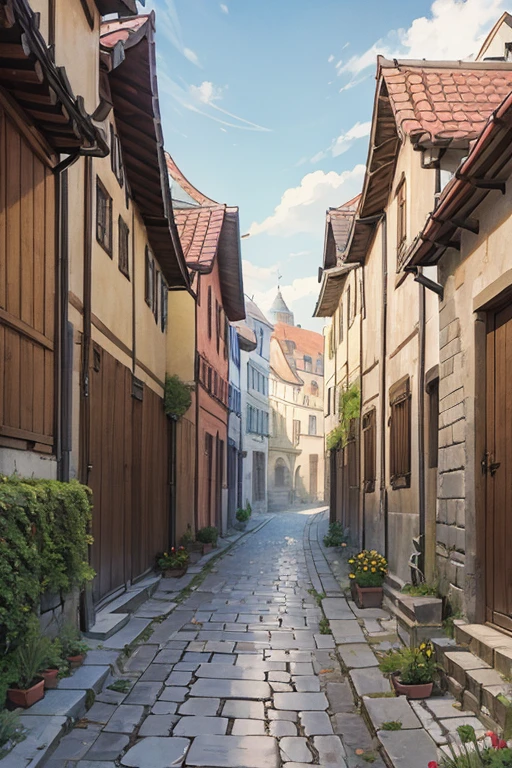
x=336, y=535
x=71, y=641
x=177, y=397
x=208, y=535
x=30, y=659
x=243, y=515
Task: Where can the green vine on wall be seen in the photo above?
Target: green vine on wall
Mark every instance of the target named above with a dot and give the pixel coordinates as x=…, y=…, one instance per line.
x=177, y=397
x=349, y=409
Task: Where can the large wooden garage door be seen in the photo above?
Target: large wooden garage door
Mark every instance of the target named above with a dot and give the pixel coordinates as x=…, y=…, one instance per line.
x=27, y=294
x=128, y=474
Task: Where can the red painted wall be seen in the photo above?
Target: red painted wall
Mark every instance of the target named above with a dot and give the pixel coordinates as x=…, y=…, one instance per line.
x=212, y=392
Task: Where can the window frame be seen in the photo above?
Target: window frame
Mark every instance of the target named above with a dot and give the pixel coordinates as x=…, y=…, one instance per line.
x=210, y=309
x=164, y=304
x=312, y=422
x=149, y=278
x=401, y=218
x=105, y=239
x=123, y=235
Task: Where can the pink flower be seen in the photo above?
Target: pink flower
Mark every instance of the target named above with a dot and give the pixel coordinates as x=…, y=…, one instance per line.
x=494, y=739
x=433, y=764
x=502, y=744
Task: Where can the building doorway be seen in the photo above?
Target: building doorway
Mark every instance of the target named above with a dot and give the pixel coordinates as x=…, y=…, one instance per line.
x=497, y=465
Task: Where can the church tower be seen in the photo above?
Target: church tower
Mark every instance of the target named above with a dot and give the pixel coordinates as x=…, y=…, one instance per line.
x=279, y=312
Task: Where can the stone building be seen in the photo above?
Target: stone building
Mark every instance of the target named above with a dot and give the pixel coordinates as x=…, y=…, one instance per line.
x=296, y=445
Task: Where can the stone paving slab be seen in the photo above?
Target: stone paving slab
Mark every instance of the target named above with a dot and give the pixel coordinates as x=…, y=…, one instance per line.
x=234, y=752
x=232, y=689
x=370, y=680
x=125, y=718
x=387, y=710
x=346, y=631
x=230, y=672
x=401, y=745
x=128, y=634
x=61, y=703
x=156, y=752
x=357, y=655
x=296, y=702
x=85, y=678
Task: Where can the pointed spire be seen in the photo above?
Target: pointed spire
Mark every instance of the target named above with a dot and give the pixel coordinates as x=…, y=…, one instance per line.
x=279, y=312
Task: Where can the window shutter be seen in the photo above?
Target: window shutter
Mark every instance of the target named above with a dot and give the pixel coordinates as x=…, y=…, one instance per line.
x=400, y=434
x=164, y=303
x=149, y=281
x=124, y=240
x=369, y=451
x=210, y=309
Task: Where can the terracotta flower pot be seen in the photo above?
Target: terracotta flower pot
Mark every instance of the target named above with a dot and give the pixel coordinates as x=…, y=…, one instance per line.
x=207, y=548
x=76, y=661
x=25, y=698
x=419, y=691
x=175, y=573
x=369, y=597
x=50, y=678
x=241, y=525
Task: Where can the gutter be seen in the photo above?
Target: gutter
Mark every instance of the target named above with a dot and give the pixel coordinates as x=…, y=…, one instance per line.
x=383, y=399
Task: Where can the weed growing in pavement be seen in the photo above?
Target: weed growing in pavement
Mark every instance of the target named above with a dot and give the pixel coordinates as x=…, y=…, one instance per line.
x=319, y=596
x=120, y=686
x=392, y=725
x=325, y=628
x=421, y=590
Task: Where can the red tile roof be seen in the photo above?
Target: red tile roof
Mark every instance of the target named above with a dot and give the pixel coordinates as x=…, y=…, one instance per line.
x=199, y=230
x=121, y=29
x=338, y=226
x=306, y=342
x=444, y=101
x=185, y=184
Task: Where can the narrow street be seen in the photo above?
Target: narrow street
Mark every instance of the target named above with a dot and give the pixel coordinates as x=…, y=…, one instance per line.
x=239, y=673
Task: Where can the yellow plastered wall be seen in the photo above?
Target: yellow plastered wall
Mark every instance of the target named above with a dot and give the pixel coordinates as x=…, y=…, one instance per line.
x=77, y=48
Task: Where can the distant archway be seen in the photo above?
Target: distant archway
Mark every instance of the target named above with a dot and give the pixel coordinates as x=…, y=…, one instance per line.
x=281, y=474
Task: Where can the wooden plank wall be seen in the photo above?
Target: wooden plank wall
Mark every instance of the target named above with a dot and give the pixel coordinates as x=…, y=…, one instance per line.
x=27, y=292
x=129, y=452
x=185, y=473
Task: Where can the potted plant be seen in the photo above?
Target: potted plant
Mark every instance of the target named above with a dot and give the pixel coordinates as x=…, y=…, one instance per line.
x=53, y=663
x=411, y=670
x=492, y=752
x=73, y=647
x=193, y=547
x=30, y=658
x=11, y=731
x=243, y=515
x=208, y=537
x=368, y=571
x=174, y=564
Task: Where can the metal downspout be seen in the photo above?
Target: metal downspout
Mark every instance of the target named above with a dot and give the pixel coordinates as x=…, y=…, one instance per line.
x=383, y=399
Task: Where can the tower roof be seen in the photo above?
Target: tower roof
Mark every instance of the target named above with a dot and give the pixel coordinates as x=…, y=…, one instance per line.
x=279, y=304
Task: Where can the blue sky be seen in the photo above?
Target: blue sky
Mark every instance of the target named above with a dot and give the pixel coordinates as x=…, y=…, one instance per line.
x=266, y=105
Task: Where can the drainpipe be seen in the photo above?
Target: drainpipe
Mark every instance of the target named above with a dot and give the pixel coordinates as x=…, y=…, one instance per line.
x=87, y=321
x=196, y=376
x=362, y=512
x=421, y=420
x=383, y=397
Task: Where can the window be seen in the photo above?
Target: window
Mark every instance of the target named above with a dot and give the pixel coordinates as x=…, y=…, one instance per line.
x=400, y=434
x=312, y=425
x=340, y=323
x=369, y=451
x=433, y=423
x=124, y=240
x=401, y=235
x=217, y=324
x=116, y=158
x=257, y=421
x=226, y=336
x=296, y=431
x=210, y=308
x=256, y=380
x=149, y=279
x=258, y=476
x=103, y=217
x=164, y=304
x=314, y=388
x=320, y=365
x=156, y=291
x=261, y=342
x=308, y=363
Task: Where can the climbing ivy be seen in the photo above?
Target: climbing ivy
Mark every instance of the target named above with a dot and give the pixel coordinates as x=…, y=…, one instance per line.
x=177, y=397
x=349, y=409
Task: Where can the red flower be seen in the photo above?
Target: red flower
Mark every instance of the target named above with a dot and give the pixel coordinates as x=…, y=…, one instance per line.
x=433, y=764
x=494, y=739
x=502, y=744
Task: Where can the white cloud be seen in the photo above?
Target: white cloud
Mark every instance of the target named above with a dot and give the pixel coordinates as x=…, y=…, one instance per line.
x=201, y=99
x=191, y=56
x=224, y=8
x=300, y=296
x=343, y=143
x=455, y=29
x=259, y=279
x=302, y=208
x=331, y=58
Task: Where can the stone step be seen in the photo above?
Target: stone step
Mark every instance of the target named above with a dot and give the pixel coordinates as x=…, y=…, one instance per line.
x=88, y=678
x=489, y=644
x=410, y=631
x=116, y=614
x=107, y=624
x=423, y=610
x=479, y=687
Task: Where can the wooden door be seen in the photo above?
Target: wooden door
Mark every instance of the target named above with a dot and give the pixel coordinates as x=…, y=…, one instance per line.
x=498, y=467
x=219, y=480
x=232, y=482
x=332, y=485
x=208, y=449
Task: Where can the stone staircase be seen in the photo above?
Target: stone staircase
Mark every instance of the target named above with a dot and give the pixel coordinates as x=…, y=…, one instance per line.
x=478, y=668
x=117, y=613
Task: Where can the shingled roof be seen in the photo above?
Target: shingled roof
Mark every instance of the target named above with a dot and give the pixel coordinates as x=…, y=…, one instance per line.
x=440, y=103
x=209, y=231
x=338, y=224
x=431, y=103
